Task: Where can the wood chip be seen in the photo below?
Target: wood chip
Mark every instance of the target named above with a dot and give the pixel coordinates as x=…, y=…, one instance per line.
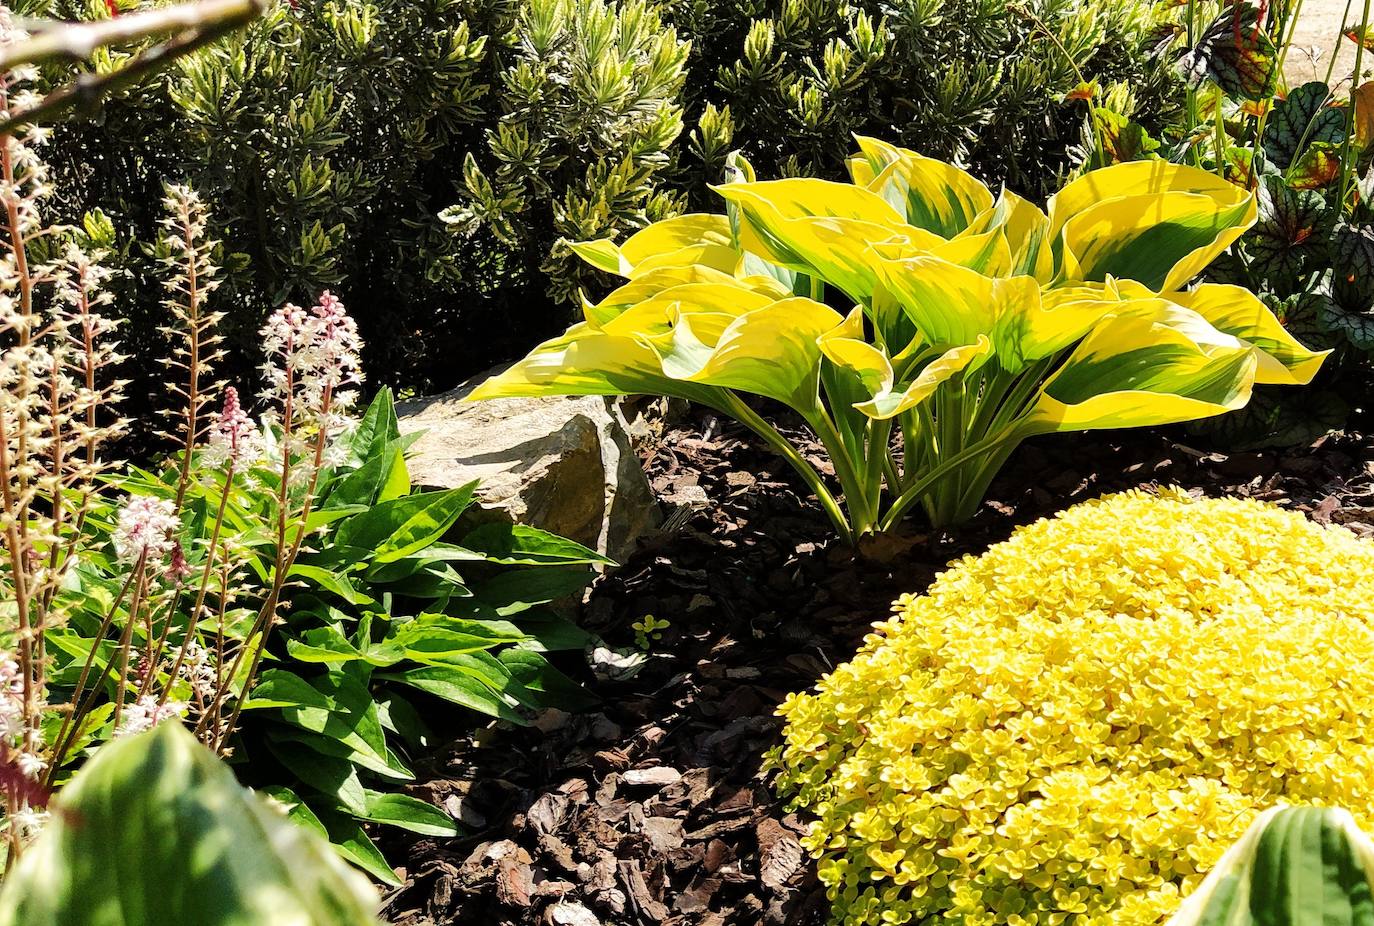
x=655, y=776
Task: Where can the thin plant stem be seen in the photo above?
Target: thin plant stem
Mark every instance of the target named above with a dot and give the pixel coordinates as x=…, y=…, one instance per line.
x=194, y=620
x=1342, y=190
x=734, y=406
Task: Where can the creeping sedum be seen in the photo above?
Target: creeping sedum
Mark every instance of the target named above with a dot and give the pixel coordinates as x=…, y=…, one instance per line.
x=1073, y=727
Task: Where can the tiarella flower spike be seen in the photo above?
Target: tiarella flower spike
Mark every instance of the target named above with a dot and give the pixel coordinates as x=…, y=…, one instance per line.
x=145, y=529
x=234, y=438
x=312, y=357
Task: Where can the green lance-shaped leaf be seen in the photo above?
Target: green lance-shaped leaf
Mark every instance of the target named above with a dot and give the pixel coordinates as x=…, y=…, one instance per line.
x=1294, y=866
x=156, y=830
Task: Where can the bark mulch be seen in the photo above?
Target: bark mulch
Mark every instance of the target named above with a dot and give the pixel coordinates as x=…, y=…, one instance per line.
x=649, y=808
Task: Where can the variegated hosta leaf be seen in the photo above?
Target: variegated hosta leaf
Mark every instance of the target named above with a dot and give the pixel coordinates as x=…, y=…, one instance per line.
x=658, y=282
x=1026, y=230
x=685, y=239
x=1150, y=221
x=930, y=194
x=155, y=829
x=1293, y=866
x=1282, y=359
x=820, y=228
x=590, y=361
x=1136, y=370
x=1234, y=310
x=771, y=351
x=872, y=368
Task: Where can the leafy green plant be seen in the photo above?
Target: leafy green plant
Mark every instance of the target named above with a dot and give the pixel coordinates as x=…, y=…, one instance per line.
x=371, y=608
x=967, y=322
x=276, y=585
x=1303, y=151
x=1294, y=866
x=586, y=73
x=156, y=829
x=329, y=138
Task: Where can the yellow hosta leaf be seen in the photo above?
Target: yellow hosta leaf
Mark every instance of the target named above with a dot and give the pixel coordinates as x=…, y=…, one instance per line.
x=890, y=404
x=656, y=315
x=1283, y=360
x=1057, y=319
x=773, y=351
x=1026, y=227
x=861, y=171
x=1133, y=179
x=987, y=252
x=648, y=286
x=930, y=194
x=660, y=238
x=861, y=360
x=950, y=304
x=1159, y=239
x=592, y=363
x=721, y=257
x=1138, y=370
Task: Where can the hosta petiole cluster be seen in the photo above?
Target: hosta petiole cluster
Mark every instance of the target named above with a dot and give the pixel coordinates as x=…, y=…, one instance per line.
x=923, y=326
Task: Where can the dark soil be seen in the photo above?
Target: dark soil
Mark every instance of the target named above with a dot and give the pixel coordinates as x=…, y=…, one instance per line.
x=650, y=809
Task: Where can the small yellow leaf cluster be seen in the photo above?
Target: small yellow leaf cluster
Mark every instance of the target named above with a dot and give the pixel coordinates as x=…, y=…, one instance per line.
x=1073, y=727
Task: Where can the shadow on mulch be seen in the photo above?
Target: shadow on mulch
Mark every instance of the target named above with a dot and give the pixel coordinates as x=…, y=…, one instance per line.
x=650, y=809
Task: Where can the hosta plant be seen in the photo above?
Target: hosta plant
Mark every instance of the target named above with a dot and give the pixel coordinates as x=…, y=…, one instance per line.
x=924, y=326
x=156, y=829
x=1294, y=866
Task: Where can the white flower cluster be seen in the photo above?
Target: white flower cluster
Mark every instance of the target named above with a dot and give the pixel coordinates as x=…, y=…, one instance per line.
x=146, y=529
x=146, y=713
x=14, y=731
x=198, y=668
x=312, y=359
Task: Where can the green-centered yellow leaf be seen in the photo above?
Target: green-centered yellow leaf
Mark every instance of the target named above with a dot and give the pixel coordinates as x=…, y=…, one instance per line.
x=987, y=252
x=661, y=238
x=773, y=351
x=1282, y=360
x=891, y=403
x=1137, y=370
x=1026, y=227
x=930, y=194
x=820, y=228
x=1136, y=178
x=588, y=362
x=950, y=304
x=663, y=282
x=1159, y=239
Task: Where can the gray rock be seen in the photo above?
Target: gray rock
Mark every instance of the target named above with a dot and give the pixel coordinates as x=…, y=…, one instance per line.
x=566, y=465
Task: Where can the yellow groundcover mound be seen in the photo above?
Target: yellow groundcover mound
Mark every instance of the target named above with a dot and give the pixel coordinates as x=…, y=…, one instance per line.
x=1072, y=727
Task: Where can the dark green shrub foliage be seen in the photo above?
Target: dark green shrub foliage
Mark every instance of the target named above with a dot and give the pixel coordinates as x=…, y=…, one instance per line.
x=977, y=82
x=428, y=160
